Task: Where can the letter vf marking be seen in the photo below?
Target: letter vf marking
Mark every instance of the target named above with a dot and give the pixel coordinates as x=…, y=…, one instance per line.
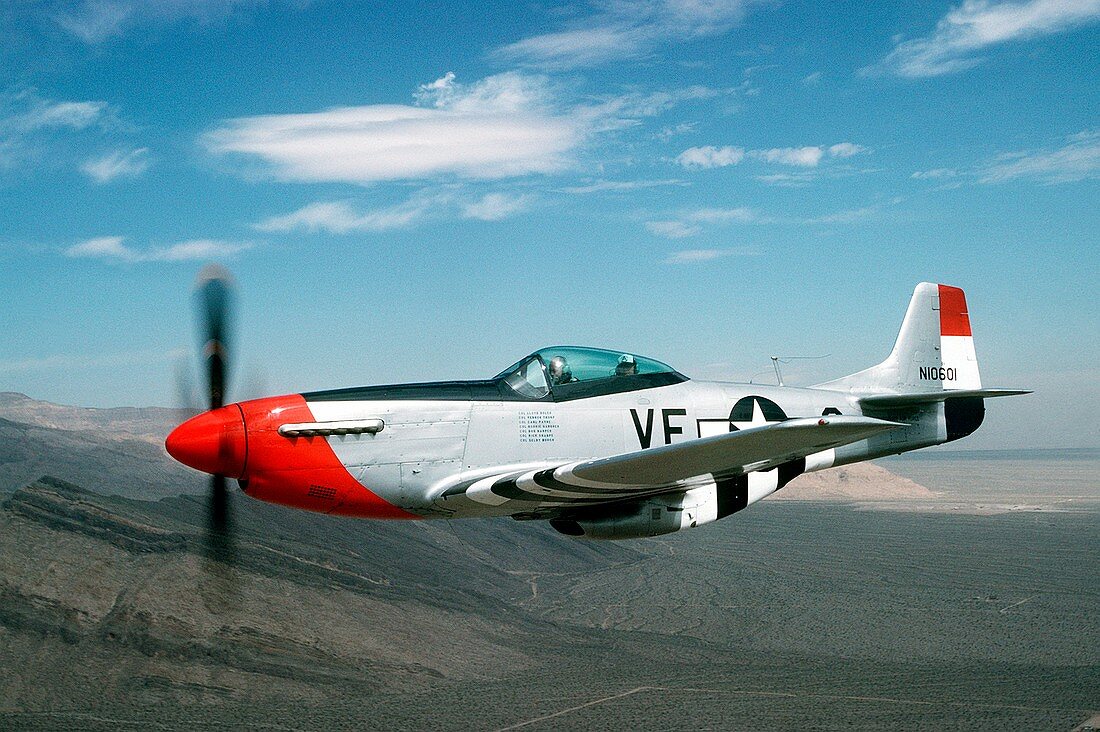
x=645, y=439
x=645, y=434
x=669, y=429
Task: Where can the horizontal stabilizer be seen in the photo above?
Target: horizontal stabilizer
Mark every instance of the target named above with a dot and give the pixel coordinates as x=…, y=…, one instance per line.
x=928, y=397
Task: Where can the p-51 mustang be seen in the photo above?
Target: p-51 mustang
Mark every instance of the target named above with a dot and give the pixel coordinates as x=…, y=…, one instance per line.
x=603, y=444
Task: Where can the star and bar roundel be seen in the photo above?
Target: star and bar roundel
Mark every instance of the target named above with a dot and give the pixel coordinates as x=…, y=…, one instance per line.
x=750, y=411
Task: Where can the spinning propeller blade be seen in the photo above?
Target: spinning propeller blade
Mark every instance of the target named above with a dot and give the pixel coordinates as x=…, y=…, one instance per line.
x=214, y=294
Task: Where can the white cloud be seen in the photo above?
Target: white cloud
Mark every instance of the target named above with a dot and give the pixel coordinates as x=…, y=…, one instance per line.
x=436, y=92
x=695, y=256
x=807, y=157
x=621, y=185
x=336, y=217
x=848, y=216
x=691, y=223
x=978, y=24
x=30, y=123
x=495, y=206
x=710, y=156
x=789, y=180
x=673, y=229
x=24, y=112
x=934, y=174
x=623, y=30
x=194, y=249
x=651, y=104
x=845, y=150
x=582, y=47
x=1077, y=160
x=339, y=217
x=44, y=114
x=739, y=215
x=680, y=128
x=103, y=246
x=94, y=21
x=501, y=126
x=117, y=164
x=113, y=248
x=813, y=78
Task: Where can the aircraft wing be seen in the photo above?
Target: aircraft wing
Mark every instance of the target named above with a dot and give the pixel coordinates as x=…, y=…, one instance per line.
x=659, y=469
x=735, y=452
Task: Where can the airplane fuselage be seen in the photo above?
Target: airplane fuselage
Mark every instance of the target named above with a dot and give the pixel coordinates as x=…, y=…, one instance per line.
x=427, y=446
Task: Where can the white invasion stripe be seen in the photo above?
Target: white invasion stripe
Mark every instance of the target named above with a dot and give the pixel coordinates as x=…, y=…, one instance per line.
x=526, y=483
x=482, y=492
x=496, y=472
x=565, y=475
x=957, y=352
x=762, y=484
x=700, y=506
x=820, y=460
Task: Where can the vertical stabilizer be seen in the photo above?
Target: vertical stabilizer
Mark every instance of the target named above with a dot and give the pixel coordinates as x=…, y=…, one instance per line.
x=934, y=349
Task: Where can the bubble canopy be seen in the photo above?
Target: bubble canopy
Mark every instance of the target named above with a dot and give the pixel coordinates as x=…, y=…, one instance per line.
x=557, y=374
x=574, y=372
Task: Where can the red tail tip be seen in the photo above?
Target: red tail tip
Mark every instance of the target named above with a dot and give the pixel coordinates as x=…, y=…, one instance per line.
x=954, y=318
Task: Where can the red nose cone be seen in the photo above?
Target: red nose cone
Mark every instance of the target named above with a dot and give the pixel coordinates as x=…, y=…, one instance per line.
x=213, y=442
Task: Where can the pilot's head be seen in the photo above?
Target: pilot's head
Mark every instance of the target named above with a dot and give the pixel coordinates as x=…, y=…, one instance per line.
x=559, y=370
x=627, y=366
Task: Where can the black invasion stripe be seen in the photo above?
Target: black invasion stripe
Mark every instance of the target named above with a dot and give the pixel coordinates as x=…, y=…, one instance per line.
x=546, y=479
x=460, y=488
x=790, y=471
x=507, y=488
x=733, y=494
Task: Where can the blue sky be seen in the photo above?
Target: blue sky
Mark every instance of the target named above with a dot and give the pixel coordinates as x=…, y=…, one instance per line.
x=421, y=191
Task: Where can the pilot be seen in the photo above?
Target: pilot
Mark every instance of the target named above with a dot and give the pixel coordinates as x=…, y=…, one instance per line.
x=627, y=366
x=560, y=373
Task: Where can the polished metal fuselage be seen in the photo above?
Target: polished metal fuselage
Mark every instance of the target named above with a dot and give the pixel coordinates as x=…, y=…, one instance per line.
x=428, y=446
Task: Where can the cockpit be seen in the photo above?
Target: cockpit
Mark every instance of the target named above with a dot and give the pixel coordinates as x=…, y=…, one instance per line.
x=563, y=373
x=554, y=374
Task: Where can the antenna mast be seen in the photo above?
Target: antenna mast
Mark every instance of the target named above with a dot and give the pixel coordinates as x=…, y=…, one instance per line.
x=776, y=360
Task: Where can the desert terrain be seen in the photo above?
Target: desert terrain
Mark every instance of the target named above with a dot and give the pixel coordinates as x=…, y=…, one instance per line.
x=807, y=610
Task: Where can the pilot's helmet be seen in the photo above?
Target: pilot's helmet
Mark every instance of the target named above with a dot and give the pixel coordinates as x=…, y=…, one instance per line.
x=559, y=368
x=627, y=366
